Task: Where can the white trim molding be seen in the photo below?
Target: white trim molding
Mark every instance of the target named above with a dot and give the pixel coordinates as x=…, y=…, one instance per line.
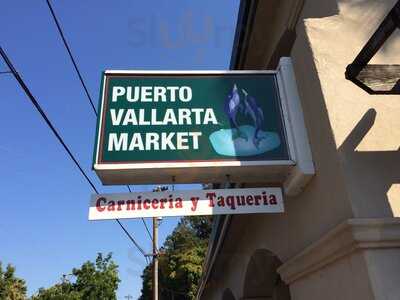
x=343, y=240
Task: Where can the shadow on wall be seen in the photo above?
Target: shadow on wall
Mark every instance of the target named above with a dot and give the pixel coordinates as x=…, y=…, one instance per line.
x=228, y=295
x=368, y=10
x=369, y=175
x=326, y=194
x=372, y=173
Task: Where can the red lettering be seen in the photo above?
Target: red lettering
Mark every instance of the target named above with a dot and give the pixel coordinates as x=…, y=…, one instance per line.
x=257, y=199
x=240, y=200
x=146, y=204
x=99, y=206
x=230, y=201
x=130, y=205
x=221, y=201
x=249, y=200
x=273, y=200
x=194, y=200
x=178, y=203
x=211, y=197
x=120, y=203
x=111, y=206
x=162, y=202
x=264, y=196
x=154, y=203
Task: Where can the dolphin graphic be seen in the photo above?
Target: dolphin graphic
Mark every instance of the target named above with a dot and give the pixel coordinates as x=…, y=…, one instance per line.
x=231, y=106
x=256, y=114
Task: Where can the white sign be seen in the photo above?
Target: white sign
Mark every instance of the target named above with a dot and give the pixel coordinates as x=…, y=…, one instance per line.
x=186, y=203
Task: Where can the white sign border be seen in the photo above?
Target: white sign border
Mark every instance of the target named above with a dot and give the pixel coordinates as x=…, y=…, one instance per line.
x=300, y=159
x=202, y=207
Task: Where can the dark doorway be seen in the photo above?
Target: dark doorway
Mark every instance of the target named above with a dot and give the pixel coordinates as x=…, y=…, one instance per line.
x=262, y=279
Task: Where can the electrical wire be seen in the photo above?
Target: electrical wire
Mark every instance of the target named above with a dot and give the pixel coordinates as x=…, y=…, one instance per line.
x=60, y=31
x=131, y=238
x=43, y=114
x=55, y=132
x=147, y=229
x=143, y=220
x=70, y=55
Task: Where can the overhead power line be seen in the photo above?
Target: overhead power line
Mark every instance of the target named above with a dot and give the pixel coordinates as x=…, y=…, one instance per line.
x=144, y=222
x=59, y=138
x=131, y=238
x=60, y=31
x=147, y=229
x=44, y=116
x=70, y=55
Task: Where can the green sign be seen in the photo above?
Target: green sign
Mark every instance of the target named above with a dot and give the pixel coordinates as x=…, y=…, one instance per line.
x=189, y=118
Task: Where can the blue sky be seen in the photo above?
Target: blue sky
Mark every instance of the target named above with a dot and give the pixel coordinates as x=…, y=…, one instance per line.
x=44, y=230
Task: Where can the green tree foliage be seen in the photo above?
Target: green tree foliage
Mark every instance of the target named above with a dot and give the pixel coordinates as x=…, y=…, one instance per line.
x=60, y=291
x=92, y=281
x=180, y=264
x=11, y=287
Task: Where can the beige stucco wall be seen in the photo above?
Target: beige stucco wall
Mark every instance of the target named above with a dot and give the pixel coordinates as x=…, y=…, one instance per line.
x=384, y=266
x=355, y=140
x=365, y=128
x=346, y=279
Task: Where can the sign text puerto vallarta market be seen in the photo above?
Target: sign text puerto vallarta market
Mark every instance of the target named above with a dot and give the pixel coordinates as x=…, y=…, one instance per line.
x=161, y=127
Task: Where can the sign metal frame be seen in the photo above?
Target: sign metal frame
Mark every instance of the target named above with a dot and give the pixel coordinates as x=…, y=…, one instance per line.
x=293, y=173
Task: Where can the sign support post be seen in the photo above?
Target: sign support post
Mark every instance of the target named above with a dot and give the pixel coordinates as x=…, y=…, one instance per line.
x=155, y=259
